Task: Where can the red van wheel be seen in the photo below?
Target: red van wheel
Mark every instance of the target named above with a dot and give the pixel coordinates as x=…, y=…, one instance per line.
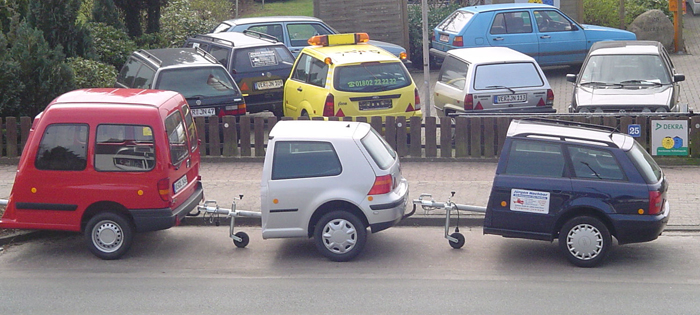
x=108, y=235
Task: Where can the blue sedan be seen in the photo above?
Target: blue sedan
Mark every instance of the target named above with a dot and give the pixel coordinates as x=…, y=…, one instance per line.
x=539, y=30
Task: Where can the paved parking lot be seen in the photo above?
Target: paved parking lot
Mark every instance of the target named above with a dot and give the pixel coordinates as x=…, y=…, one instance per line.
x=686, y=63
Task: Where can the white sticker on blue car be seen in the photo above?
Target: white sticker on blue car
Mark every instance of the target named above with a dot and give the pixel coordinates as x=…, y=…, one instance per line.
x=529, y=201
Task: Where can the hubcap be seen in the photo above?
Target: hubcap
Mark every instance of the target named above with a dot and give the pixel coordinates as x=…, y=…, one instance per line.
x=339, y=236
x=584, y=241
x=107, y=236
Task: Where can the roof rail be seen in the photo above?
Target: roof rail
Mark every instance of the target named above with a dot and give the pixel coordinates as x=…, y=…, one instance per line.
x=261, y=35
x=571, y=123
x=206, y=55
x=214, y=39
x=150, y=56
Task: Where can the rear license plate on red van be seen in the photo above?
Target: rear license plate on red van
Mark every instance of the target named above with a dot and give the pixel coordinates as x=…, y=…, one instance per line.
x=180, y=184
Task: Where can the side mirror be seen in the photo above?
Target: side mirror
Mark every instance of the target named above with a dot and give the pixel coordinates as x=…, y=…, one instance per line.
x=678, y=77
x=571, y=77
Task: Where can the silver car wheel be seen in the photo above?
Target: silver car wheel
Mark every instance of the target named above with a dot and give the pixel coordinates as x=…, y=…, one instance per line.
x=339, y=236
x=107, y=236
x=584, y=241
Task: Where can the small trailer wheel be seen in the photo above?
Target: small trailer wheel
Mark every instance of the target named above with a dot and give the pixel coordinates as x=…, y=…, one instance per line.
x=460, y=240
x=244, y=240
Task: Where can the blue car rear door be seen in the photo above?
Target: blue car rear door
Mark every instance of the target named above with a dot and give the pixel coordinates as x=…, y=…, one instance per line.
x=514, y=29
x=561, y=41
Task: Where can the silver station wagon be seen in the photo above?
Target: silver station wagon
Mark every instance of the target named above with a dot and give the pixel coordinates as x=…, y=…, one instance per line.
x=491, y=80
x=330, y=180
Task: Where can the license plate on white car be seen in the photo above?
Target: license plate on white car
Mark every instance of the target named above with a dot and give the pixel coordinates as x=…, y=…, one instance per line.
x=266, y=85
x=203, y=112
x=180, y=184
x=510, y=98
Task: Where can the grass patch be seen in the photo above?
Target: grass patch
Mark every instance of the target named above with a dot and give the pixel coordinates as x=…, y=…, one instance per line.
x=278, y=7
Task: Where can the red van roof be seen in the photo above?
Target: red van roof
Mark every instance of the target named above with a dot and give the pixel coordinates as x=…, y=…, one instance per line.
x=116, y=96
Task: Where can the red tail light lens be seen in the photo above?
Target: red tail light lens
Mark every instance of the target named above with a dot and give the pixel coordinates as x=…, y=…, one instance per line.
x=382, y=185
x=550, y=97
x=469, y=102
x=458, y=42
x=329, y=106
x=656, y=202
x=164, y=189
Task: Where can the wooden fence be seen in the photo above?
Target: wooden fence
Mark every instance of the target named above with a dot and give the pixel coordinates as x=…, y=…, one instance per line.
x=444, y=137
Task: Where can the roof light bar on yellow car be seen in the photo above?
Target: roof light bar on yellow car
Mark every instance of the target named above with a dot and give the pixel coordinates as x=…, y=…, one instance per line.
x=338, y=39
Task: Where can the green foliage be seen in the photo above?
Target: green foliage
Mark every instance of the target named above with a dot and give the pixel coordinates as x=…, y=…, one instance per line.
x=219, y=10
x=40, y=68
x=106, y=12
x=57, y=20
x=179, y=21
x=285, y=7
x=10, y=84
x=436, y=13
x=606, y=12
x=112, y=46
x=92, y=74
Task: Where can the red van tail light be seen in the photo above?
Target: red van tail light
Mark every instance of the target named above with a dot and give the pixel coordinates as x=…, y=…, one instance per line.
x=656, y=202
x=329, y=106
x=469, y=102
x=382, y=185
x=458, y=42
x=164, y=189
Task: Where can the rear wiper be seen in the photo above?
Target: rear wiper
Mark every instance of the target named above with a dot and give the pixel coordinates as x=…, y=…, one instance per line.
x=592, y=170
x=500, y=87
x=641, y=81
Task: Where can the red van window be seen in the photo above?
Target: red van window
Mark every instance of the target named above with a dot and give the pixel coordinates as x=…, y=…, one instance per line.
x=177, y=137
x=63, y=147
x=124, y=148
x=191, y=127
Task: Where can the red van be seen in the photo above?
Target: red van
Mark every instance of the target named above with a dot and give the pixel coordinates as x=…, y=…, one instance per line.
x=108, y=162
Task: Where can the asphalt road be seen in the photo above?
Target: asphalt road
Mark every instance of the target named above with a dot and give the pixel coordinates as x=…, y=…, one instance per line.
x=187, y=270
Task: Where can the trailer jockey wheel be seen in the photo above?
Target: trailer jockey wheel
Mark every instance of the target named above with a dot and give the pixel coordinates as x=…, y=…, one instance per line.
x=460, y=240
x=244, y=240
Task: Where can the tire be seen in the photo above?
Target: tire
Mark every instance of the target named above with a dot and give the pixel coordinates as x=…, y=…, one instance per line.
x=244, y=240
x=108, y=235
x=460, y=240
x=340, y=236
x=585, y=241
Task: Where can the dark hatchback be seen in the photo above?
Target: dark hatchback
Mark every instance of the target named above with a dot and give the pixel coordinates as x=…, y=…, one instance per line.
x=579, y=183
x=258, y=62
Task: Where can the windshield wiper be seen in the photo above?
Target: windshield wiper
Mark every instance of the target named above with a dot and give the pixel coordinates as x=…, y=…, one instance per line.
x=500, y=87
x=598, y=83
x=641, y=82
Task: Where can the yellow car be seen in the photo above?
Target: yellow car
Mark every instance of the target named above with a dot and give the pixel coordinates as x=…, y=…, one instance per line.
x=341, y=75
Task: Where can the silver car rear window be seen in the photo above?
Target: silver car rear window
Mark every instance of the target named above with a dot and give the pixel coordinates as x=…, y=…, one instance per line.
x=380, y=151
x=520, y=75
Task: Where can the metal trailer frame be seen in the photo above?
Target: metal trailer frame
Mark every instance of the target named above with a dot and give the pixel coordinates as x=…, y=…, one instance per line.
x=212, y=213
x=456, y=239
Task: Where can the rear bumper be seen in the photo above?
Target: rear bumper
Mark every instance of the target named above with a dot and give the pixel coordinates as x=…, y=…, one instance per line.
x=640, y=228
x=540, y=110
x=147, y=220
x=390, y=212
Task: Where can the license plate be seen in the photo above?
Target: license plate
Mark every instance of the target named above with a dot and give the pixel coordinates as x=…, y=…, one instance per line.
x=180, y=184
x=266, y=85
x=444, y=38
x=203, y=112
x=510, y=98
x=374, y=104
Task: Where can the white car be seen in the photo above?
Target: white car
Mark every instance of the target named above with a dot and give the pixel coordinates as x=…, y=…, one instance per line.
x=330, y=180
x=693, y=6
x=491, y=80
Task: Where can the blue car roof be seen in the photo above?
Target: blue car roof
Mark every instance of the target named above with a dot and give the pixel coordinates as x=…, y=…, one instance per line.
x=506, y=6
